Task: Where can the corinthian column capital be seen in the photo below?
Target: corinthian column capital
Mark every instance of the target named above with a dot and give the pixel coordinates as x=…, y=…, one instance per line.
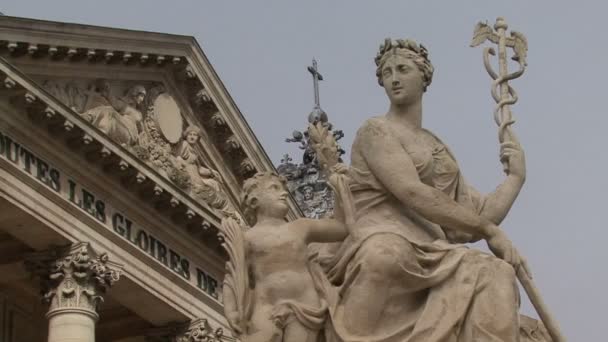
x=74, y=277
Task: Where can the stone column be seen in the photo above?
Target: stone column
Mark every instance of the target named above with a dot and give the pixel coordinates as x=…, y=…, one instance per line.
x=74, y=279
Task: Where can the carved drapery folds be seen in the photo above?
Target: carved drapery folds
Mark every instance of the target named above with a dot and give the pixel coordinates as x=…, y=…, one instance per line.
x=147, y=121
x=200, y=331
x=73, y=277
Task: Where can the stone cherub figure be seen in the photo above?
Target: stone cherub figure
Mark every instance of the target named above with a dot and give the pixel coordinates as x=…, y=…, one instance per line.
x=273, y=290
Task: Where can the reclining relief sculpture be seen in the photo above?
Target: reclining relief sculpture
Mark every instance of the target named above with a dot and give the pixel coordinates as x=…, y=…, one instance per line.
x=147, y=121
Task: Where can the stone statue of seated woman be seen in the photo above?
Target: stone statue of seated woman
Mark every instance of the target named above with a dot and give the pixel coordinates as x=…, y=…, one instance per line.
x=403, y=273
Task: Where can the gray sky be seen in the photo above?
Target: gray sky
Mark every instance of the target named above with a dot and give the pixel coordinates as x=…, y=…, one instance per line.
x=261, y=49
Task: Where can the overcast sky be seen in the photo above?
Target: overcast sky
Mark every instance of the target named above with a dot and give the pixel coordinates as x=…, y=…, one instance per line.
x=261, y=49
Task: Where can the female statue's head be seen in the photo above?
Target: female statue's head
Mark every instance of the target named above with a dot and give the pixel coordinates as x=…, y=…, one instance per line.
x=403, y=69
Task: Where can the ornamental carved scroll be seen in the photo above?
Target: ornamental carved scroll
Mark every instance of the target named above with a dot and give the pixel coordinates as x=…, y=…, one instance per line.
x=145, y=119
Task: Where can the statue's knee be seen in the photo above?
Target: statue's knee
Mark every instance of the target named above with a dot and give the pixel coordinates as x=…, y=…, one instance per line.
x=492, y=268
x=379, y=261
x=385, y=257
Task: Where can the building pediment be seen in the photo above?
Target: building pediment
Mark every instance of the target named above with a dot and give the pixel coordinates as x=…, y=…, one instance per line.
x=152, y=100
x=147, y=118
x=128, y=142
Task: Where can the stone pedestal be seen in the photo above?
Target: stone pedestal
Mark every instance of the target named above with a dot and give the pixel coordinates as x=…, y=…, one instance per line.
x=73, y=279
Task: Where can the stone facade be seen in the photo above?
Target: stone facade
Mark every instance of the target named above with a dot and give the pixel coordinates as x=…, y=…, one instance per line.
x=125, y=148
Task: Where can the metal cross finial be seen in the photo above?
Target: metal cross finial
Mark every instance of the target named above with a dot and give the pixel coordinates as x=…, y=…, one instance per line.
x=316, y=77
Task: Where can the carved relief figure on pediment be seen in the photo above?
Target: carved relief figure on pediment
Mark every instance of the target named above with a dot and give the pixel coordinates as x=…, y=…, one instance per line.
x=204, y=182
x=153, y=146
x=172, y=151
x=148, y=122
x=118, y=118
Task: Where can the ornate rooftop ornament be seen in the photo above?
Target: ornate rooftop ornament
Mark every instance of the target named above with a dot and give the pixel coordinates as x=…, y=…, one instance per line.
x=304, y=180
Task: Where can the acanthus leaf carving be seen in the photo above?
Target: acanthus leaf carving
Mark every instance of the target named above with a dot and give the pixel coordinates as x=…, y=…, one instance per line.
x=73, y=276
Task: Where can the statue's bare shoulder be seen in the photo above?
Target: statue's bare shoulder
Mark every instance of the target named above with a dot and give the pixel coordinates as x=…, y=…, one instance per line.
x=374, y=127
x=378, y=138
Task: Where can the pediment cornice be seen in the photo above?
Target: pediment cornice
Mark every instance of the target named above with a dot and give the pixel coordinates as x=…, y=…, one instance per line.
x=28, y=97
x=237, y=149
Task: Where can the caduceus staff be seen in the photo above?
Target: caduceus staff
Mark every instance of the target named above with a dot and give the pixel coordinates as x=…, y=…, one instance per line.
x=505, y=96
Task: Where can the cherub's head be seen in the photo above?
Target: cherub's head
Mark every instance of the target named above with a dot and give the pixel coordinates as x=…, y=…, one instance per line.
x=264, y=194
x=192, y=134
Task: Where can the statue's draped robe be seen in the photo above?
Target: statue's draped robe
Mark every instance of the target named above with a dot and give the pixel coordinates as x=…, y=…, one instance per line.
x=428, y=287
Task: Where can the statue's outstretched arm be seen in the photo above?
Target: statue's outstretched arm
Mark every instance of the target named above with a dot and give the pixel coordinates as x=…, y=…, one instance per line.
x=325, y=230
x=393, y=167
x=498, y=203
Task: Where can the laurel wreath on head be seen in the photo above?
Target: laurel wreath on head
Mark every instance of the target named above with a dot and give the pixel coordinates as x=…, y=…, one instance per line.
x=407, y=44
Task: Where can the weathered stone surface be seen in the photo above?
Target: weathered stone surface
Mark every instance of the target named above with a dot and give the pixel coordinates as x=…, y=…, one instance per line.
x=402, y=271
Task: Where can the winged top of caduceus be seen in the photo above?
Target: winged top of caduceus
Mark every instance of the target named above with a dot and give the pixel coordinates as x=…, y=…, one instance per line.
x=505, y=96
x=502, y=92
x=517, y=41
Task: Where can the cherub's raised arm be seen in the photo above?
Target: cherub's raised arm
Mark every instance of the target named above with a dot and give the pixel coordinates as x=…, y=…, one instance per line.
x=324, y=230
